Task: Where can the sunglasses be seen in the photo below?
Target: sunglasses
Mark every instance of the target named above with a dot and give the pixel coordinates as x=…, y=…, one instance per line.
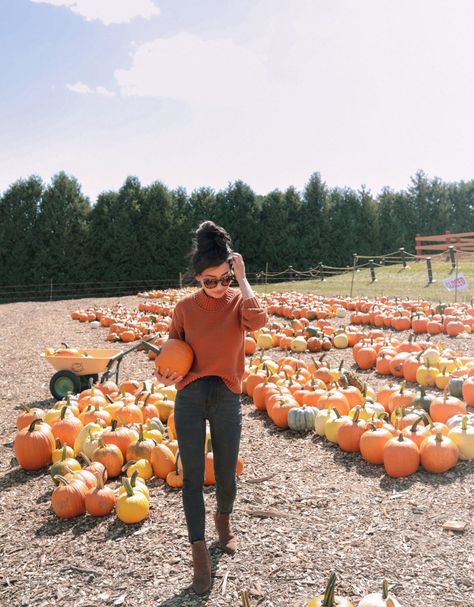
x=211, y=283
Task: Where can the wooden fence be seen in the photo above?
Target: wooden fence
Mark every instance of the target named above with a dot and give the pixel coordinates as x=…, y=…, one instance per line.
x=463, y=242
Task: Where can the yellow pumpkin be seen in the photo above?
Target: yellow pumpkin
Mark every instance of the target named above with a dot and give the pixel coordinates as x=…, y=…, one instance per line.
x=90, y=428
x=137, y=483
x=341, y=340
x=143, y=467
x=426, y=375
x=132, y=506
x=329, y=599
x=463, y=436
x=265, y=341
x=333, y=424
x=321, y=419
x=298, y=344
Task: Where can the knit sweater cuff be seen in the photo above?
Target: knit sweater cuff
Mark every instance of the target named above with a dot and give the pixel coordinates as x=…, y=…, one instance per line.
x=251, y=302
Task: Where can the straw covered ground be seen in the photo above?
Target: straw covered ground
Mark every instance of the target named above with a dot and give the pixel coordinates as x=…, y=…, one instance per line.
x=304, y=509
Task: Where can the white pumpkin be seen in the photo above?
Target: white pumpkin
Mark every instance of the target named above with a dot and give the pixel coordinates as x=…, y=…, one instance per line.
x=379, y=599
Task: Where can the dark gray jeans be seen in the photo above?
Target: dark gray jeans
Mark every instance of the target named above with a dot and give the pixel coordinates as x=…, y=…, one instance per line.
x=207, y=398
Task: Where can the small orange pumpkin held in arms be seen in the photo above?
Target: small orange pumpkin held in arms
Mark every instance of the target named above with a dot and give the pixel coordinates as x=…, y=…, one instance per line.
x=176, y=355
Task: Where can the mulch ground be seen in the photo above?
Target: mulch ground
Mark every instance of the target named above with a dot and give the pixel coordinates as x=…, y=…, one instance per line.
x=318, y=510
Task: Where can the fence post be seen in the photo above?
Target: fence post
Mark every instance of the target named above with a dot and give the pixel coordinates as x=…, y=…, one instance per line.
x=430, y=271
x=180, y=280
x=321, y=271
x=452, y=258
x=403, y=256
x=290, y=273
x=456, y=277
x=418, y=245
x=372, y=270
x=354, y=264
x=266, y=276
x=51, y=290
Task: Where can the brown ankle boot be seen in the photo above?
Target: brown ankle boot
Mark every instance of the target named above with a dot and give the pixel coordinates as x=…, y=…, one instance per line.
x=201, y=566
x=227, y=539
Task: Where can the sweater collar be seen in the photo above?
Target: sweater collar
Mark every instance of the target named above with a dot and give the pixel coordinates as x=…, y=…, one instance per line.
x=210, y=303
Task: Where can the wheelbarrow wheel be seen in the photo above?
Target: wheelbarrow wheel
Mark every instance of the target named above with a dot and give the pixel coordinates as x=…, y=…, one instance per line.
x=63, y=382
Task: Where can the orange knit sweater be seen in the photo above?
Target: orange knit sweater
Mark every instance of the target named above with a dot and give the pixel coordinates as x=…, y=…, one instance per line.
x=215, y=330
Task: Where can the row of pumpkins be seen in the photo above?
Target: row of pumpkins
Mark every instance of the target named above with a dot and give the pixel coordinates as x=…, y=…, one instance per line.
x=421, y=362
x=419, y=315
x=394, y=427
x=113, y=430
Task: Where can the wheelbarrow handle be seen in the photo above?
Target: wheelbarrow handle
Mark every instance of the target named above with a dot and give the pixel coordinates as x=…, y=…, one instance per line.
x=151, y=347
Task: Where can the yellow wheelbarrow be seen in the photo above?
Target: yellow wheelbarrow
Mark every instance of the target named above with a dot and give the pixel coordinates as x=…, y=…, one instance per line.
x=78, y=370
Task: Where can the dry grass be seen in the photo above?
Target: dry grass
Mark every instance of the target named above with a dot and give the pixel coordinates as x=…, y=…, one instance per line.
x=392, y=281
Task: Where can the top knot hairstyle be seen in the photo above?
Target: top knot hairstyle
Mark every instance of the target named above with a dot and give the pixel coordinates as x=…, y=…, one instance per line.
x=211, y=247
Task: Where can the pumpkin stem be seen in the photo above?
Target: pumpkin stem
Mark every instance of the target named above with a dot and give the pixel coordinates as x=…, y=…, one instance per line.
x=328, y=600
x=64, y=453
x=128, y=487
x=33, y=424
x=61, y=479
x=85, y=458
x=385, y=590
x=127, y=465
x=133, y=478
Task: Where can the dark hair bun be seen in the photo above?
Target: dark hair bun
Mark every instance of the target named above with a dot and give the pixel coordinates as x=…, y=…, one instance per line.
x=210, y=236
x=212, y=246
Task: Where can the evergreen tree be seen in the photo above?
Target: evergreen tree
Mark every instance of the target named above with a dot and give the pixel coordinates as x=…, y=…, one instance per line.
x=62, y=232
x=19, y=207
x=102, y=251
x=238, y=213
x=315, y=241
x=461, y=207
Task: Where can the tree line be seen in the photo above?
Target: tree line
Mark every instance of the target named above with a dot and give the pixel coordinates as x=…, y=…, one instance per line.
x=53, y=232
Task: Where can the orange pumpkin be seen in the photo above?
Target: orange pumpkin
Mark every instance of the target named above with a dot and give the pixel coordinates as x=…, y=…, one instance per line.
x=372, y=443
x=401, y=457
x=110, y=456
x=34, y=445
x=68, y=499
x=162, y=461
x=176, y=355
x=99, y=501
x=438, y=453
x=27, y=415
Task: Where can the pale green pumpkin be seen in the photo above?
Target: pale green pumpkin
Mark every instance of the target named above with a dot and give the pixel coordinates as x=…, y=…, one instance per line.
x=302, y=418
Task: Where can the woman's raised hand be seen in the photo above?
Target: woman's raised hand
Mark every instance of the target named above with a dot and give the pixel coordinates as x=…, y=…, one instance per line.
x=238, y=266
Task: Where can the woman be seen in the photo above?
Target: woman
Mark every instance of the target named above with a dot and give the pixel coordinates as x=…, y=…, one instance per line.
x=213, y=321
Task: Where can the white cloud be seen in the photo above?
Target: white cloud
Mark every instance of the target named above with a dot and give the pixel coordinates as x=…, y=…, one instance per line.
x=108, y=11
x=188, y=68
x=79, y=87
x=85, y=89
x=103, y=92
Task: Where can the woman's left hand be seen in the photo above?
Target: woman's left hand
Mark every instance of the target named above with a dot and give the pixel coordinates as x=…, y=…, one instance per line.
x=238, y=266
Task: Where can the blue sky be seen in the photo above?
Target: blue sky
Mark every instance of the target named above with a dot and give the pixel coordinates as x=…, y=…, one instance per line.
x=204, y=93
